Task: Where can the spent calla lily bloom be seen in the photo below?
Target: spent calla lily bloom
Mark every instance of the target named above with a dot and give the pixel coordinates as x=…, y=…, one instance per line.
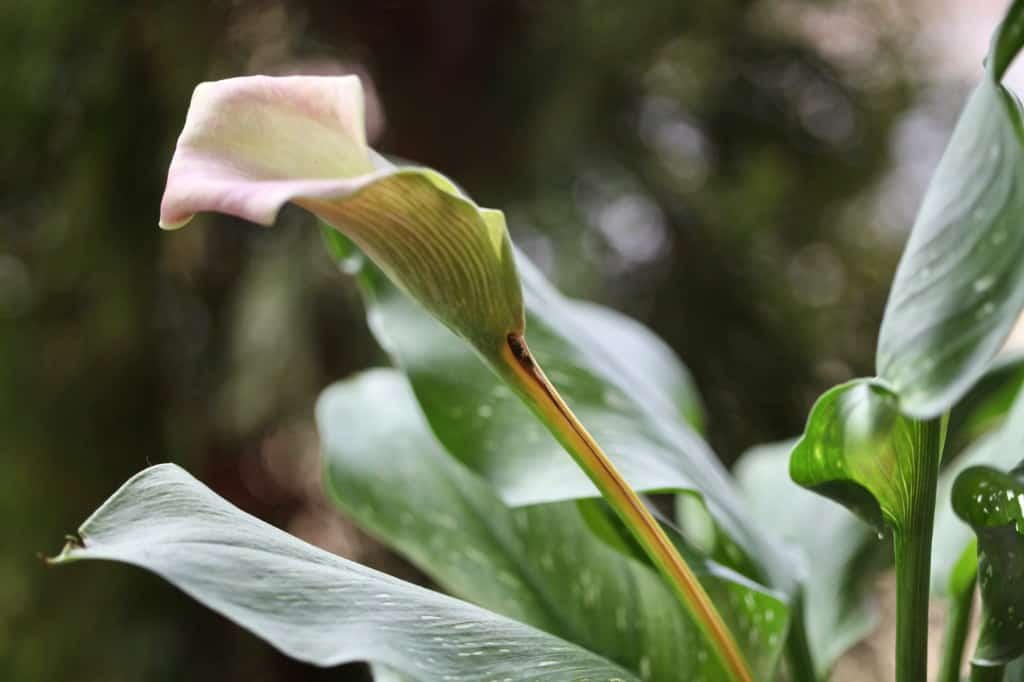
x=252, y=144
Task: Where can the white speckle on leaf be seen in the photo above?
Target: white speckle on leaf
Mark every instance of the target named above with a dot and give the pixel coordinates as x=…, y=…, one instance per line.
x=984, y=283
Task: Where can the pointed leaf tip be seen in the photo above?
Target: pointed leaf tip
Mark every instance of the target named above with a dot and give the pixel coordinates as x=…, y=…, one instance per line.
x=312, y=605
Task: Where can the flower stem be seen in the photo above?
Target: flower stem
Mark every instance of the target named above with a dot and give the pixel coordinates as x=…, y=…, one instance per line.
x=542, y=397
x=912, y=541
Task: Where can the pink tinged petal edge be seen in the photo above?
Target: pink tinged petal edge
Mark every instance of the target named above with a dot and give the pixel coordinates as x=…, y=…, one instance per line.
x=252, y=144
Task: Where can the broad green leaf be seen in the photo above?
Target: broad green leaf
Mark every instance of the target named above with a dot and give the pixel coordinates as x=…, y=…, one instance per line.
x=1000, y=449
x=987, y=403
x=252, y=144
x=600, y=363
x=651, y=360
x=965, y=571
x=539, y=564
x=382, y=673
x=959, y=287
x=837, y=551
x=992, y=502
x=312, y=605
x=859, y=450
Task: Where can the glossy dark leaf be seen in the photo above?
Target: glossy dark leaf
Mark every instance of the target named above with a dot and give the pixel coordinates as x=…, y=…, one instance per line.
x=541, y=564
x=951, y=535
x=992, y=503
x=1000, y=449
x=312, y=605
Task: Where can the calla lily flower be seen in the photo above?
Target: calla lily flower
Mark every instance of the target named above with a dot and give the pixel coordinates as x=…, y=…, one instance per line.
x=252, y=144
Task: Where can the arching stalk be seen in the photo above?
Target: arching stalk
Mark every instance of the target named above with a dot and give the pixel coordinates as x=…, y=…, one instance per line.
x=528, y=378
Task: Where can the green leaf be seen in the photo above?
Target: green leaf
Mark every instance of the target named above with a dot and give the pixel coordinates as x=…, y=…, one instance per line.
x=312, y=605
x=382, y=673
x=985, y=406
x=992, y=503
x=959, y=287
x=951, y=536
x=651, y=360
x=1008, y=39
x=840, y=554
x=1000, y=449
x=965, y=572
x=620, y=380
x=1015, y=671
x=859, y=449
x=541, y=564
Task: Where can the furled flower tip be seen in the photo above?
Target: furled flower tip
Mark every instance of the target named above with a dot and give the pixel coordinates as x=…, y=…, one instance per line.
x=252, y=144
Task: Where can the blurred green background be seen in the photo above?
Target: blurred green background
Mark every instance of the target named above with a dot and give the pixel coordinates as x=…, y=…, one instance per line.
x=738, y=175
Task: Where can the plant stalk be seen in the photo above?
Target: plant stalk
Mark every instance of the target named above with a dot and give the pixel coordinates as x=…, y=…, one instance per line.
x=960, y=605
x=798, y=649
x=912, y=541
x=542, y=397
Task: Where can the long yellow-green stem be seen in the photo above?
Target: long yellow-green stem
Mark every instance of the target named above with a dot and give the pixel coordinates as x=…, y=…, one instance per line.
x=541, y=396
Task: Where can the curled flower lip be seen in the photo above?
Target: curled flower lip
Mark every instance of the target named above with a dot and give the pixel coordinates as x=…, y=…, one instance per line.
x=252, y=144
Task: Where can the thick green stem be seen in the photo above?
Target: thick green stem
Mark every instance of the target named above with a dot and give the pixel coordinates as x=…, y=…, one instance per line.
x=913, y=547
x=798, y=650
x=987, y=673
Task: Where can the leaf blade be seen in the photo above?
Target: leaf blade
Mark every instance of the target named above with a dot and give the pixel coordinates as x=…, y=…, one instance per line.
x=837, y=549
x=959, y=286
x=302, y=600
x=540, y=564
x=637, y=421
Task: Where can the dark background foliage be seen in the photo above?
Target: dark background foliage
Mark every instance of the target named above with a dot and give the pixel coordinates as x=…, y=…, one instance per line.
x=738, y=175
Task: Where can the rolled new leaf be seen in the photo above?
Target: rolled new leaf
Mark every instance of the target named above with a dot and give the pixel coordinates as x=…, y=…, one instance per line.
x=992, y=503
x=1000, y=449
x=251, y=145
x=859, y=450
